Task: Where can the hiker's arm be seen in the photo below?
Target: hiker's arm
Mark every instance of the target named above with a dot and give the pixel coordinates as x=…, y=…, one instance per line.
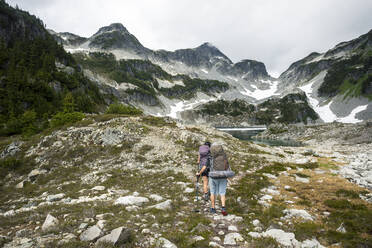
x=198, y=158
x=201, y=171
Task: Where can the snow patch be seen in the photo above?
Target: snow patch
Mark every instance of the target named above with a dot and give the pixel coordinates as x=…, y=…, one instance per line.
x=351, y=117
x=205, y=71
x=325, y=112
x=186, y=105
x=262, y=94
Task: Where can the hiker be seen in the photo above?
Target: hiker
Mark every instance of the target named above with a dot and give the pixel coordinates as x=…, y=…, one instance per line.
x=204, y=162
x=219, y=172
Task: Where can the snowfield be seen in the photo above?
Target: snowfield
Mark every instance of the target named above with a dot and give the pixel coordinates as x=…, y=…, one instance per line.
x=262, y=94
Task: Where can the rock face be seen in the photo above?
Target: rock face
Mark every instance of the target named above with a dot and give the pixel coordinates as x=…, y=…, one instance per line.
x=117, y=236
x=49, y=223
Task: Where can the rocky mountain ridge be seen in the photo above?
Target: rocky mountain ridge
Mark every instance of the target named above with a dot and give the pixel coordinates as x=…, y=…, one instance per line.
x=338, y=82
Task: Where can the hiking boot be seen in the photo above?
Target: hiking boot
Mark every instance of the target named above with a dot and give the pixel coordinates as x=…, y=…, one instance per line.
x=212, y=211
x=223, y=211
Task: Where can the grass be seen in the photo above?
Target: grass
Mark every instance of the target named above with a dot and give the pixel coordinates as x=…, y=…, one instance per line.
x=307, y=230
x=157, y=121
x=302, y=175
x=267, y=242
x=347, y=193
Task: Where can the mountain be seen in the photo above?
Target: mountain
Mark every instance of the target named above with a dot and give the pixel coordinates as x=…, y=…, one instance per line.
x=338, y=82
x=248, y=79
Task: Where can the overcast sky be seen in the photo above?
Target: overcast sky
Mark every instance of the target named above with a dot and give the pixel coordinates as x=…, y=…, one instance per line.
x=276, y=32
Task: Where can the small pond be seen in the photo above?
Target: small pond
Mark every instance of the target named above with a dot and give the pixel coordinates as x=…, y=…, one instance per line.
x=247, y=133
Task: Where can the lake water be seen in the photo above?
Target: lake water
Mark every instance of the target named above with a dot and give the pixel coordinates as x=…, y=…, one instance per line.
x=247, y=133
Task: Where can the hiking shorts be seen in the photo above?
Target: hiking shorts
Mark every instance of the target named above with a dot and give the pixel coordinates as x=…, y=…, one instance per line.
x=217, y=186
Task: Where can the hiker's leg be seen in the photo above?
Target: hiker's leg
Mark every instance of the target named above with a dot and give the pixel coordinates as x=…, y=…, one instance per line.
x=205, y=184
x=222, y=191
x=213, y=192
x=212, y=201
x=223, y=201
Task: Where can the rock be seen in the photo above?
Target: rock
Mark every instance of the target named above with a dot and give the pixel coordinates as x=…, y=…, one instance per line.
x=287, y=187
x=232, y=238
x=188, y=190
x=117, y=236
x=311, y=244
x=131, y=200
x=256, y=223
x=302, y=179
x=266, y=197
x=146, y=231
x=99, y=188
x=215, y=245
x=221, y=233
x=156, y=197
x=232, y=228
x=131, y=208
x=166, y=205
x=217, y=239
x=198, y=238
x=341, y=228
x=254, y=234
x=49, y=223
x=11, y=149
x=200, y=228
x=36, y=172
x=21, y=184
x=23, y=233
x=91, y=234
x=297, y=213
x=284, y=238
x=103, y=216
x=101, y=224
x=83, y=225
x=165, y=243
x=57, y=197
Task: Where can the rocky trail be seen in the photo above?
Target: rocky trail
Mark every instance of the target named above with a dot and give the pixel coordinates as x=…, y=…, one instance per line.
x=129, y=182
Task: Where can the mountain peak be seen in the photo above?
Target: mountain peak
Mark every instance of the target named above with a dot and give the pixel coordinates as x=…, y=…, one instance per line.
x=112, y=27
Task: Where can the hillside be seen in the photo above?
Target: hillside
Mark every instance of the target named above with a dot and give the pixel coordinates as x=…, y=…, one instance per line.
x=338, y=82
x=36, y=75
x=134, y=175
x=290, y=109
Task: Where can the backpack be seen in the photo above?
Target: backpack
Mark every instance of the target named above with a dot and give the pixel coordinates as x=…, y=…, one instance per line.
x=220, y=167
x=204, y=156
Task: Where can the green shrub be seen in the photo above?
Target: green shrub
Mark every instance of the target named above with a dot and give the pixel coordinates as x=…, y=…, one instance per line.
x=307, y=230
x=347, y=193
x=63, y=118
x=117, y=108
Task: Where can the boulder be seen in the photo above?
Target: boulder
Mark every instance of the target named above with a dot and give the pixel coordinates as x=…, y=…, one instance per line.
x=165, y=243
x=57, y=197
x=91, y=234
x=232, y=238
x=284, y=238
x=166, y=205
x=156, y=197
x=131, y=200
x=311, y=244
x=49, y=223
x=99, y=188
x=297, y=213
x=117, y=236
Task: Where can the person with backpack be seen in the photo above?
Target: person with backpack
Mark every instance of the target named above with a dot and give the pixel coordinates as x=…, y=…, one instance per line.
x=219, y=172
x=203, y=170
